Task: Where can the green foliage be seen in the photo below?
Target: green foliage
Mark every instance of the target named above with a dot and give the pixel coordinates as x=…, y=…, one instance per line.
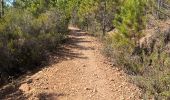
x=150, y=71
x=131, y=18
x=148, y=68
x=27, y=34
x=87, y=7
x=31, y=28
x=119, y=48
x=96, y=16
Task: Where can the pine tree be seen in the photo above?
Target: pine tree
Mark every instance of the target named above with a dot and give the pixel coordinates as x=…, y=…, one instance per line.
x=1, y=8
x=130, y=20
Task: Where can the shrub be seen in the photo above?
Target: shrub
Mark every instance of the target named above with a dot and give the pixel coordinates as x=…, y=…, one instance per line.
x=25, y=39
x=149, y=70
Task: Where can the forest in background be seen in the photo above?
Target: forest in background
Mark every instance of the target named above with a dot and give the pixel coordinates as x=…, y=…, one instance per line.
x=29, y=29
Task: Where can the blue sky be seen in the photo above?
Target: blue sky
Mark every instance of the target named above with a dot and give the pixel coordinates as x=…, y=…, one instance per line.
x=8, y=2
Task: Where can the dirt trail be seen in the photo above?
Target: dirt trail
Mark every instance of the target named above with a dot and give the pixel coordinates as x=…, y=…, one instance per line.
x=84, y=75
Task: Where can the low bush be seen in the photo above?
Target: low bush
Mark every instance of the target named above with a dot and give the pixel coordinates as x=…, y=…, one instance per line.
x=149, y=70
x=25, y=39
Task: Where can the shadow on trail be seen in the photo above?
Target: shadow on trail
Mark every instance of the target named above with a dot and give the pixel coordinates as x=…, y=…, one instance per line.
x=49, y=96
x=62, y=53
x=65, y=52
x=18, y=95
x=74, y=41
x=11, y=92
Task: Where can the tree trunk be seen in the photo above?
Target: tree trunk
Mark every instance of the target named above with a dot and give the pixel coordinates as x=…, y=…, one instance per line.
x=1, y=8
x=159, y=3
x=104, y=18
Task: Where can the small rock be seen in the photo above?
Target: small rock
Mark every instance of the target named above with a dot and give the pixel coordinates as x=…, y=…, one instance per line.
x=68, y=58
x=94, y=90
x=46, y=88
x=113, y=64
x=29, y=81
x=84, y=65
x=55, y=57
x=105, y=62
x=112, y=80
x=24, y=87
x=37, y=78
x=87, y=88
x=28, y=72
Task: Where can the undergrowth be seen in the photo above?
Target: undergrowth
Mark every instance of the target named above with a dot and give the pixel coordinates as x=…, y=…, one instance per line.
x=148, y=69
x=25, y=40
